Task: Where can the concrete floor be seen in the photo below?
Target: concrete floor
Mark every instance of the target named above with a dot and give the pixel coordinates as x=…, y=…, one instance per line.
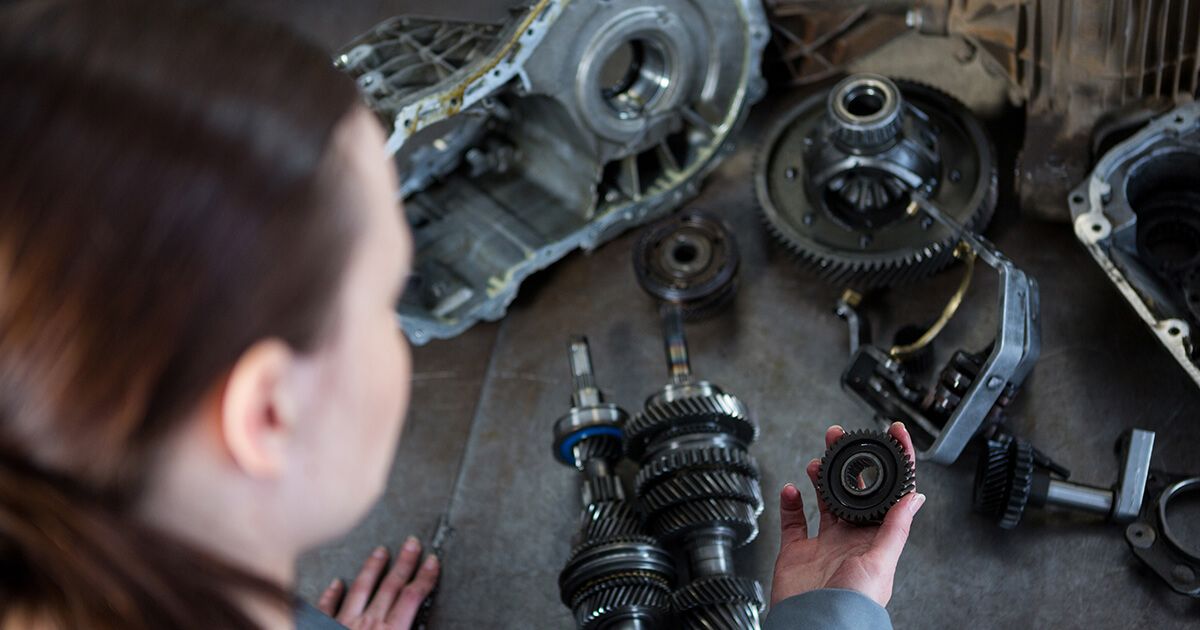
x=476, y=448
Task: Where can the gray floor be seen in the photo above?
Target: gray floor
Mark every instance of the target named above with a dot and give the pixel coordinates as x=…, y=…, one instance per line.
x=476, y=446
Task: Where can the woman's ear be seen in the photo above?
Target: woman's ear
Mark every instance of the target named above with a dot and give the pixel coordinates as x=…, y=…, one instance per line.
x=256, y=411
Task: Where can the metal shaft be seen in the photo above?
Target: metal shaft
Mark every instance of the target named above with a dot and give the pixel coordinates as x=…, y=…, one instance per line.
x=586, y=393
x=1079, y=497
x=675, y=344
x=710, y=553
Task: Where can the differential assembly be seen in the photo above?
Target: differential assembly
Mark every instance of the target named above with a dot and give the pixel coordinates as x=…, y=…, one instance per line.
x=699, y=487
x=838, y=171
x=558, y=129
x=616, y=577
x=863, y=475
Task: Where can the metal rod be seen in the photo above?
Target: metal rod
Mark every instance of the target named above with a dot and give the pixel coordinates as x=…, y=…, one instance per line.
x=1080, y=497
x=586, y=393
x=675, y=344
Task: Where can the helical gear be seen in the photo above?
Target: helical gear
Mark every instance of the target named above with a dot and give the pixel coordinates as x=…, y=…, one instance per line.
x=714, y=413
x=719, y=602
x=837, y=172
x=860, y=498
x=1004, y=480
x=689, y=260
x=615, y=574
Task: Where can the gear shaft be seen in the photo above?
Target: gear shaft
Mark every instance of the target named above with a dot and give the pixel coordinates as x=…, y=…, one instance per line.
x=616, y=576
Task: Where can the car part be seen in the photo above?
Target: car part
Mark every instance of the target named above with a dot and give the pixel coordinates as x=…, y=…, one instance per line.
x=835, y=175
x=616, y=576
x=699, y=486
x=1138, y=215
x=1072, y=65
x=1012, y=475
x=1155, y=543
x=863, y=474
x=974, y=389
x=689, y=260
x=571, y=122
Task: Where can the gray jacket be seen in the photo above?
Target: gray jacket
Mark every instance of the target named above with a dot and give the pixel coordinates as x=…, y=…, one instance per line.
x=828, y=609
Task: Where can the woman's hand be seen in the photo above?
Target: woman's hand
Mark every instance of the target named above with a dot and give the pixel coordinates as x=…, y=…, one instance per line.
x=841, y=555
x=394, y=604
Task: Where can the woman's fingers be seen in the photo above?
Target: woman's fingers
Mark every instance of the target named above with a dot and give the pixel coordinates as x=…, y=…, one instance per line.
x=360, y=590
x=833, y=434
x=328, y=602
x=395, y=580
x=414, y=594
x=792, y=522
x=893, y=533
x=827, y=517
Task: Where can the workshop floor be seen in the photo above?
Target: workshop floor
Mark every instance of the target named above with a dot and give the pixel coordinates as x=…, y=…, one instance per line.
x=476, y=448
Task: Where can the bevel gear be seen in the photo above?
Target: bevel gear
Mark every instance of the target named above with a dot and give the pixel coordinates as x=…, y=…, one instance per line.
x=836, y=174
x=864, y=474
x=1004, y=479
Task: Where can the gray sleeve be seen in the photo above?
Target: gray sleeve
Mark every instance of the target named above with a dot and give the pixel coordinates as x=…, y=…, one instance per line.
x=828, y=609
x=309, y=618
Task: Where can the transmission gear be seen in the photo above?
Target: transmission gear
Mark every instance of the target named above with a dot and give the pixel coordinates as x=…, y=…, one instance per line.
x=689, y=260
x=863, y=475
x=1004, y=480
x=719, y=602
x=616, y=575
x=837, y=172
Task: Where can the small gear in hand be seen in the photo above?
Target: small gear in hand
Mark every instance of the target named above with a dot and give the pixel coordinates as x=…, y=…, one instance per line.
x=863, y=475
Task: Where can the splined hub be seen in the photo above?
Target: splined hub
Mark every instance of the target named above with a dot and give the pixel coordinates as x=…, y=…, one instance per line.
x=836, y=175
x=863, y=475
x=689, y=260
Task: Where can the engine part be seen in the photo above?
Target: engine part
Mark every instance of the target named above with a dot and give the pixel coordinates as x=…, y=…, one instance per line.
x=689, y=260
x=1012, y=475
x=616, y=576
x=1155, y=543
x=699, y=487
x=1138, y=215
x=974, y=388
x=835, y=175
x=863, y=475
x=1073, y=65
x=558, y=129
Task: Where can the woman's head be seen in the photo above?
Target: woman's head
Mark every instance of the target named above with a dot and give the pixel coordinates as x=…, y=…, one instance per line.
x=199, y=251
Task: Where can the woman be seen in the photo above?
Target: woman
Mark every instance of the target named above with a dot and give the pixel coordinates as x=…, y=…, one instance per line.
x=200, y=371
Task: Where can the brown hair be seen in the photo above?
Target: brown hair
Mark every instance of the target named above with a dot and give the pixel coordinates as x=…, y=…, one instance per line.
x=166, y=200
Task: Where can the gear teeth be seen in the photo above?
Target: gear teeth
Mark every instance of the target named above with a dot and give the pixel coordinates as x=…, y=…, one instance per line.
x=893, y=268
x=592, y=611
x=603, y=489
x=685, y=517
x=1004, y=480
x=718, y=590
x=906, y=482
x=639, y=538
x=608, y=519
x=691, y=485
x=710, y=458
x=726, y=617
x=689, y=415
x=606, y=447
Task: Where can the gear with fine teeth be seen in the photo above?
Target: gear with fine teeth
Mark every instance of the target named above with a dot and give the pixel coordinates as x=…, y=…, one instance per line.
x=686, y=485
x=864, y=474
x=715, y=413
x=734, y=460
x=729, y=601
x=836, y=175
x=684, y=518
x=1004, y=480
x=689, y=260
x=607, y=519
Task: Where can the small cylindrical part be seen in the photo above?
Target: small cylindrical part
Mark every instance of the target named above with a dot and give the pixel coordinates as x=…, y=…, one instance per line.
x=584, y=379
x=1079, y=497
x=675, y=344
x=710, y=553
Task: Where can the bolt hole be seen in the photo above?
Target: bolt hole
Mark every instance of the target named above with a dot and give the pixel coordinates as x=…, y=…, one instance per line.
x=1096, y=227
x=1173, y=331
x=684, y=253
x=864, y=101
x=1077, y=198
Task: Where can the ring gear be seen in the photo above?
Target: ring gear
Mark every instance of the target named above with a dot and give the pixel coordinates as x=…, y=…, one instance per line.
x=854, y=498
x=835, y=176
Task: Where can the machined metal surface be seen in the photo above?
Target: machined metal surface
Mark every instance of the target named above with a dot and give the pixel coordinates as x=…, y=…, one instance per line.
x=689, y=261
x=863, y=475
x=1154, y=542
x=1138, y=215
x=555, y=130
x=835, y=175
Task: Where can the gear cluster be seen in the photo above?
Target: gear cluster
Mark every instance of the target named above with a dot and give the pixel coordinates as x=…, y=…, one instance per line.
x=836, y=176
x=864, y=474
x=689, y=260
